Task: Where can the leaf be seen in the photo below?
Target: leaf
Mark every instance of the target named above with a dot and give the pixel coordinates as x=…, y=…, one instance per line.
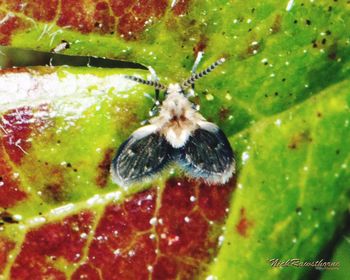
x=292, y=188
x=70, y=219
x=282, y=98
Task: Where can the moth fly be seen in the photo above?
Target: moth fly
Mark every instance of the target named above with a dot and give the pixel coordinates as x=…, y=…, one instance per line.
x=178, y=133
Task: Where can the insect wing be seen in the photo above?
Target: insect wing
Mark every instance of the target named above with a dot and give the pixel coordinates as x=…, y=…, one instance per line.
x=208, y=154
x=139, y=157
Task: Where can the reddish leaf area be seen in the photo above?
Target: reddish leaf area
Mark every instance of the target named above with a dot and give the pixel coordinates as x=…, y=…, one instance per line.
x=43, y=246
x=138, y=239
x=201, y=45
x=17, y=126
x=6, y=246
x=10, y=192
x=104, y=19
x=136, y=15
x=87, y=16
x=52, y=180
x=103, y=168
x=9, y=24
x=128, y=18
x=44, y=10
x=181, y=7
x=244, y=224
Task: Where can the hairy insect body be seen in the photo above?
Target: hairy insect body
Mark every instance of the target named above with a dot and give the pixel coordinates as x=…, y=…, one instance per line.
x=177, y=119
x=178, y=134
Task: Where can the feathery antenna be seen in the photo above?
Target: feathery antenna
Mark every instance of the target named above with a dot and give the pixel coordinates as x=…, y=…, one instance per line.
x=196, y=76
x=155, y=84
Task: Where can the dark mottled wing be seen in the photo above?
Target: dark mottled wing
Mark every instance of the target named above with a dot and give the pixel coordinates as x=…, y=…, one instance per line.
x=140, y=157
x=208, y=154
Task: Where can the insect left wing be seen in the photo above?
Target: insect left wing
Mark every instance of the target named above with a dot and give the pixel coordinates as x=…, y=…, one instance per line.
x=145, y=153
x=208, y=154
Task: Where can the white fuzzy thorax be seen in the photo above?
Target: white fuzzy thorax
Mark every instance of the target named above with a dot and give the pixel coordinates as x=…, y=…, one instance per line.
x=177, y=119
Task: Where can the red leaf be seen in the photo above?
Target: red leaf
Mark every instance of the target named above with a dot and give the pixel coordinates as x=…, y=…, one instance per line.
x=10, y=192
x=6, y=246
x=44, y=245
x=43, y=10
x=135, y=239
x=9, y=24
x=128, y=18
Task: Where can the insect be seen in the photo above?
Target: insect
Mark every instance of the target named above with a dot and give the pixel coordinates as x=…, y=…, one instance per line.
x=180, y=134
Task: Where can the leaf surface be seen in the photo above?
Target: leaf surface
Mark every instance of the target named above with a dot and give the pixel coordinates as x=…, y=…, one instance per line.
x=282, y=98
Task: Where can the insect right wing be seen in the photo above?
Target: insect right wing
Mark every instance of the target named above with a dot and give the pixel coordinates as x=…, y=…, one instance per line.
x=208, y=154
x=144, y=154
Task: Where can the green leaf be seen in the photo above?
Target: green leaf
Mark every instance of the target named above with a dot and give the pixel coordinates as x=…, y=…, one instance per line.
x=292, y=188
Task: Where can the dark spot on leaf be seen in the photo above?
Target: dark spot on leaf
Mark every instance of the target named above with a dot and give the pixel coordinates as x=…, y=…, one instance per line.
x=103, y=168
x=308, y=22
x=54, y=193
x=224, y=113
x=243, y=224
x=328, y=32
x=295, y=21
x=251, y=50
x=337, y=152
x=330, y=8
x=319, y=114
x=323, y=41
x=201, y=45
x=332, y=56
x=332, y=52
x=300, y=138
x=276, y=26
x=298, y=210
